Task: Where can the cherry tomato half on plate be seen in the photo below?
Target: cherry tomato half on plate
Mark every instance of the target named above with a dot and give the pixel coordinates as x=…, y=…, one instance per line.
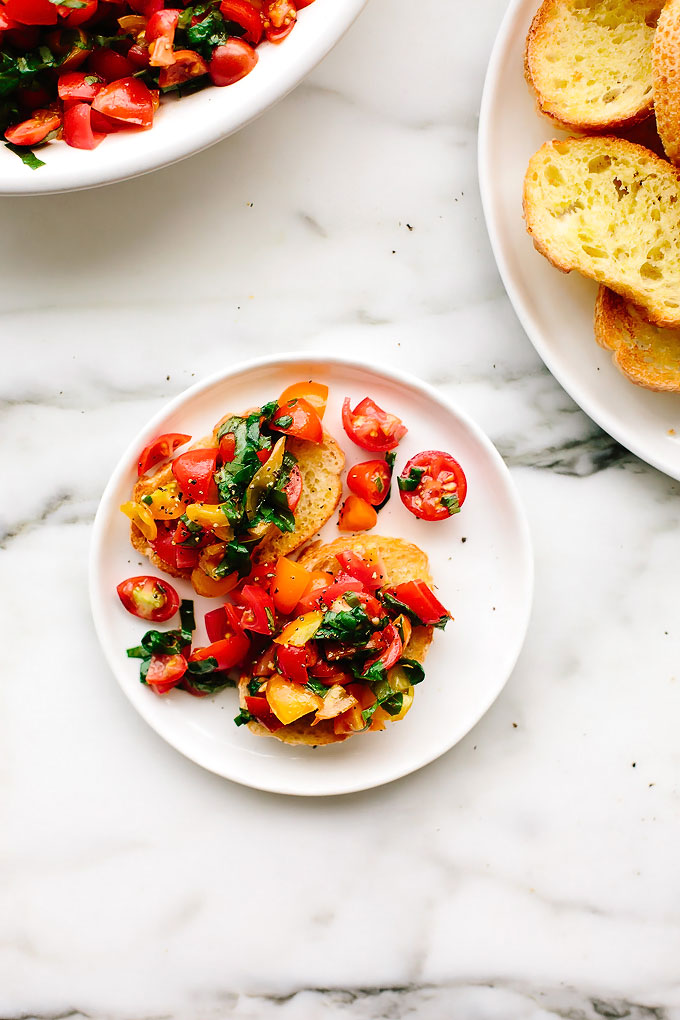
x=160, y=448
x=370, y=427
x=34, y=130
x=148, y=598
x=432, y=485
x=370, y=480
x=299, y=419
x=231, y=61
x=357, y=515
x=165, y=672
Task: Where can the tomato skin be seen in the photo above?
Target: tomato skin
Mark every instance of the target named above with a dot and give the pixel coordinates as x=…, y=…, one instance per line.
x=370, y=480
x=259, y=707
x=231, y=61
x=187, y=64
x=441, y=477
x=289, y=584
x=228, y=651
x=259, y=612
x=148, y=598
x=34, y=130
x=165, y=672
x=139, y=55
x=293, y=488
x=73, y=85
x=319, y=580
x=128, y=100
x=160, y=34
x=393, y=647
x=194, y=472
x=292, y=663
x=342, y=584
x=71, y=17
x=314, y=393
x=305, y=423
x=31, y=12
x=245, y=15
x=371, y=577
x=158, y=449
x=110, y=65
x=216, y=624
x=370, y=427
x=279, y=18
x=421, y=600
x=78, y=128
x=357, y=515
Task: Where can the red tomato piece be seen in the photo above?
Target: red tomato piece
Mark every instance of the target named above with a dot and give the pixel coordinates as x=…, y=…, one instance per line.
x=231, y=61
x=128, y=100
x=259, y=615
x=357, y=515
x=245, y=15
x=186, y=65
x=100, y=122
x=259, y=707
x=138, y=54
x=164, y=546
x=262, y=574
x=371, y=577
x=70, y=17
x=34, y=130
x=31, y=12
x=160, y=448
x=77, y=85
x=314, y=393
x=329, y=673
x=227, y=448
x=340, y=587
x=299, y=419
x=149, y=598
x=228, y=651
x=292, y=663
x=419, y=598
x=293, y=488
x=78, y=129
x=194, y=472
x=393, y=648
x=371, y=480
x=370, y=427
x=319, y=580
x=165, y=672
x=216, y=624
x=6, y=22
x=111, y=66
x=433, y=485
x=278, y=17
x=160, y=34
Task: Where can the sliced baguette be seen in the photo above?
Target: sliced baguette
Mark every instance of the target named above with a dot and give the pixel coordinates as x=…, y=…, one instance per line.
x=611, y=210
x=403, y=561
x=647, y=354
x=590, y=61
x=666, y=77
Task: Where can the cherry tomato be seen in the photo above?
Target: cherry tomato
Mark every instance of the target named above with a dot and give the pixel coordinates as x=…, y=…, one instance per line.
x=319, y=580
x=245, y=15
x=100, y=122
x=259, y=615
x=278, y=18
x=78, y=85
x=128, y=100
x=293, y=488
x=160, y=34
x=393, y=647
x=186, y=65
x=6, y=23
x=138, y=54
x=289, y=585
x=314, y=393
x=228, y=651
x=149, y=598
x=370, y=480
x=329, y=673
x=227, y=448
x=299, y=419
x=158, y=449
x=111, y=66
x=259, y=707
x=211, y=587
x=34, y=130
x=432, y=485
x=371, y=575
x=70, y=17
x=292, y=663
x=231, y=61
x=357, y=515
x=421, y=601
x=370, y=427
x=194, y=472
x=165, y=672
x=78, y=128
x=216, y=624
x=31, y=12
x=342, y=584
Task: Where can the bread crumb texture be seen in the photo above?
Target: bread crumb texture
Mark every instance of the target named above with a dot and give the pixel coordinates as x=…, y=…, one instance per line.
x=647, y=354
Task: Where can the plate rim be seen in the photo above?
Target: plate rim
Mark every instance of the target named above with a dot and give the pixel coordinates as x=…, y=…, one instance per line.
x=526, y=578
x=604, y=418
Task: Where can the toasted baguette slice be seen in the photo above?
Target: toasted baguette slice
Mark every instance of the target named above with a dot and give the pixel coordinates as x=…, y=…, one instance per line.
x=666, y=77
x=403, y=562
x=647, y=354
x=611, y=210
x=590, y=63
x=320, y=464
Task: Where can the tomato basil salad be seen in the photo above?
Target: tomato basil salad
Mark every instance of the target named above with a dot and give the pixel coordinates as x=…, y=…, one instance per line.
x=82, y=69
x=331, y=642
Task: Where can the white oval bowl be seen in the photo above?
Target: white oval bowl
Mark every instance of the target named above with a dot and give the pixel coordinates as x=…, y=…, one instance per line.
x=188, y=125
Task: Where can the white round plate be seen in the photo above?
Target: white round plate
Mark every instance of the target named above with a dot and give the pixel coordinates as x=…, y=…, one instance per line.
x=188, y=125
x=555, y=310
x=481, y=561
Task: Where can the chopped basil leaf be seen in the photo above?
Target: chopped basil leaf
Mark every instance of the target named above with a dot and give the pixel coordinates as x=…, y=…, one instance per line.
x=147, y=499
x=211, y=683
x=27, y=156
x=267, y=410
x=186, y=615
x=316, y=687
x=138, y=653
x=390, y=458
x=169, y=642
x=274, y=509
x=413, y=669
x=352, y=599
x=244, y=717
x=91, y=79
x=375, y=673
x=270, y=618
x=412, y=480
x=451, y=503
x=393, y=704
x=393, y=603
x=379, y=483
x=255, y=684
x=351, y=625
x=284, y=422
x=236, y=557
x=143, y=670
x=74, y=4
x=202, y=666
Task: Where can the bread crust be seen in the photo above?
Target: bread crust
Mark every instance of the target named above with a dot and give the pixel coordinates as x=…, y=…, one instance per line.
x=666, y=77
x=647, y=355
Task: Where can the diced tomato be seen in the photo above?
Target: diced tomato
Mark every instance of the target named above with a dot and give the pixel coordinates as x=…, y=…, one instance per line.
x=216, y=624
x=370, y=480
x=187, y=559
x=77, y=85
x=279, y=18
x=227, y=448
x=314, y=393
x=259, y=707
x=391, y=653
x=146, y=7
x=71, y=17
x=187, y=64
x=298, y=418
x=31, y=12
x=228, y=651
x=160, y=448
x=370, y=427
x=165, y=672
x=245, y=15
x=292, y=663
x=194, y=471
x=34, y=130
x=290, y=583
x=160, y=34
x=433, y=485
x=372, y=576
x=78, y=129
x=265, y=664
x=149, y=598
x=231, y=61
x=341, y=585
x=112, y=66
x=259, y=615
x=293, y=488
x=318, y=582
x=262, y=574
x=6, y=22
x=128, y=100
x=329, y=673
x=419, y=598
x=357, y=515
x=235, y=617
x=100, y=122
x=138, y=54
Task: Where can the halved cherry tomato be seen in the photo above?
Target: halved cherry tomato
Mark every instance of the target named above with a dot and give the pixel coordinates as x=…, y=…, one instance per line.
x=70, y=17
x=314, y=393
x=228, y=651
x=194, y=472
x=78, y=128
x=290, y=583
x=211, y=587
x=259, y=615
x=160, y=448
x=72, y=45
x=160, y=35
x=357, y=515
x=293, y=662
x=31, y=12
x=298, y=418
x=128, y=100
x=262, y=574
x=245, y=15
x=433, y=485
x=342, y=584
x=329, y=673
x=100, y=122
x=370, y=427
x=370, y=480
x=231, y=61
x=149, y=598
x=259, y=707
x=186, y=65
x=111, y=66
x=293, y=488
x=265, y=664
x=216, y=624
x=227, y=448
x=78, y=85
x=34, y=130
x=319, y=580
x=165, y=672
x=421, y=600
x=278, y=18
x=393, y=647
x=138, y=54
x=371, y=575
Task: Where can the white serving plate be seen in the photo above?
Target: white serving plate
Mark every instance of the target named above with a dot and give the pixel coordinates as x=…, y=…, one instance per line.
x=485, y=581
x=556, y=310
x=183, y=127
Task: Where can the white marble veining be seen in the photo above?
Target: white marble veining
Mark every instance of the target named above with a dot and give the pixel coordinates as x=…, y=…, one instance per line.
x=532, y=872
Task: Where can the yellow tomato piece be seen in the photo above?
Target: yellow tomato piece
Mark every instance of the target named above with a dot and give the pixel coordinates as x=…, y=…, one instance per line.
x=165, y=503
x=314, y=393
x=290, y=584
x=300, y=630
x=211, y=587
x=208, y=515
x=209, y=560
x=265, y=477
x=405, y=705
x=336, y=701
x=133, y=24
x=290, y=701
x=142, y=518
x=357, y=515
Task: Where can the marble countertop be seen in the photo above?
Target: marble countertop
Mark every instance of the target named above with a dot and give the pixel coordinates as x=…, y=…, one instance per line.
x=529, y=874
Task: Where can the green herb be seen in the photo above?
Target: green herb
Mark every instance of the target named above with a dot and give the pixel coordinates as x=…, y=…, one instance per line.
x=270, y=618
x=211, y=683
x=451, y=503
x=390, y=458
x=73, y=4
x=159, y=642
x=316, y=687
x=412, y=480
x=27, y=156
x=255, y=684
x=413, y=670
x=391, y=701
x=379, y=483
x=236, y=557
x=203, y=666
x=351, y=625
x=244, y=717
x=187, y=618
x=91, y=79
x=352, y=599
x=274, y=509
x=147, y=499
x=375, y=673
x=284, y=422
x=137, y=653
x=192, y=540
